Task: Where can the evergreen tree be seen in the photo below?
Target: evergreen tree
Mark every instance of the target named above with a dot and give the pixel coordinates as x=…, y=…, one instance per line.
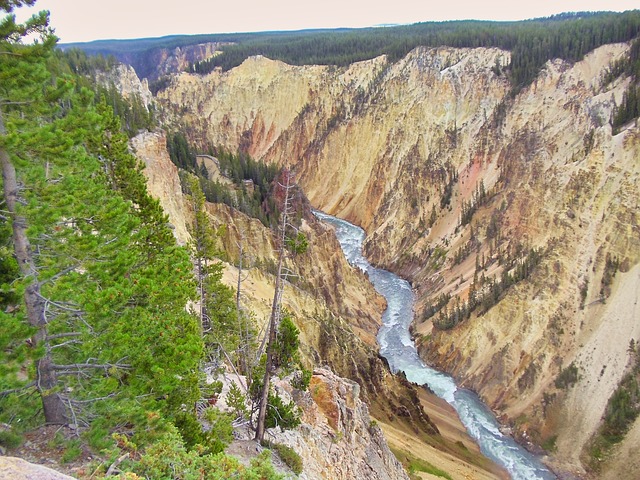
x=104, y=285
x=27, y=88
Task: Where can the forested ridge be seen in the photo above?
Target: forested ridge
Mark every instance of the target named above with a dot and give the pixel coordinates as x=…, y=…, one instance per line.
x=99, y=332
x=532, y=43
x=568, y=36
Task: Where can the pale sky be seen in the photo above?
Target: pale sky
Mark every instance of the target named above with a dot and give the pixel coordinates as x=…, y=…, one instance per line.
x=85, y=20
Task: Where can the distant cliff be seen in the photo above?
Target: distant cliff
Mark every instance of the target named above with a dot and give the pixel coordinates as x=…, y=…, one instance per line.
x=154, y=60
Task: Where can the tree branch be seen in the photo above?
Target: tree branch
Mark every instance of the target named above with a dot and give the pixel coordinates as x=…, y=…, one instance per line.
x=91, y=400
x=14, y=390
x=114, y=466
x=68, y=369
x=59, y=305
x=58, y=275
x=68, y=342
x=63, y=335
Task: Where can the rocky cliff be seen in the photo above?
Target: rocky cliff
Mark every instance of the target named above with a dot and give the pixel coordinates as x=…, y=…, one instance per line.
x=154, y=63
x=127, y=83
x=337, y=438
x=405, y=149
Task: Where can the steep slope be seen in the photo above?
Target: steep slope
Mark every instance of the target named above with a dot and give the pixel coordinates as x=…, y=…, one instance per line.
x=338, y=313
x=405, y=149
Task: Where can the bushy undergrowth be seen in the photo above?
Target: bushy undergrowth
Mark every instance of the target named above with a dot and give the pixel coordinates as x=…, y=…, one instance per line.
x=169, y=458
x=289, y=456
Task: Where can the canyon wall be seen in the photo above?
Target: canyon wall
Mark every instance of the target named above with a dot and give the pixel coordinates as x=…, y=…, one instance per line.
x=338, y=313
x=405, y=149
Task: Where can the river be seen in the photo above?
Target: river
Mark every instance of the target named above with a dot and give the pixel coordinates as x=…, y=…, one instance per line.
x=396, y=345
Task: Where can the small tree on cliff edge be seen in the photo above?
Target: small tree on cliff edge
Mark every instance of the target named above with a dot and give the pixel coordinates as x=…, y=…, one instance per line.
x=290, y=242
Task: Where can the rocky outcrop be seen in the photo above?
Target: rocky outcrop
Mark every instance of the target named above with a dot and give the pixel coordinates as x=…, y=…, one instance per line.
x=337, y=439
x=18, y=469
x=402, y=150
x=162, y=179
x=127, y=83
x=179, y=59
x=158, y=62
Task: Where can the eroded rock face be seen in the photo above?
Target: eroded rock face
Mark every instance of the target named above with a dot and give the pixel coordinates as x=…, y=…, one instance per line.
x=162, y=179
x=337, y=438
x=124, y=78
x=155, y=63
x=18, y=469
x=401, y=150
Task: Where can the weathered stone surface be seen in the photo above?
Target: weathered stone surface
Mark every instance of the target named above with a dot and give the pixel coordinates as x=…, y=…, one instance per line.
x=124, y=78
x=162, y=179
x=337, y=439
x=12, y=468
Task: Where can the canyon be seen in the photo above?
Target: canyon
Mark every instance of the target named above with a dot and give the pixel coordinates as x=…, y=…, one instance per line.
x=403, y=150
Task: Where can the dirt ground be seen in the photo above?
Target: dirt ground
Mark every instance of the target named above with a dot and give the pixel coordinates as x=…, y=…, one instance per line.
x=47, y=446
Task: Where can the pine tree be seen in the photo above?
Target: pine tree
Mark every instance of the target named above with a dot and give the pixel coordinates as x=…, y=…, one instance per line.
x=104, y=285
x=26, y=89
x=202, y=248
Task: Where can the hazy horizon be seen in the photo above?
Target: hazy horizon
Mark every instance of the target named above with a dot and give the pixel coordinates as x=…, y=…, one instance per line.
x=91, y=20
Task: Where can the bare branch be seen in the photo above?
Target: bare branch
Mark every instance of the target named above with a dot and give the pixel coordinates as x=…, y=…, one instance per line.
x=14, y=390
x=114, y=466
x=67, y=369
x=59, y=305
x=244, y=387
x=73, y=414
x=62, y=335
x=58, y=275
x=68, y=342
x=97, y=399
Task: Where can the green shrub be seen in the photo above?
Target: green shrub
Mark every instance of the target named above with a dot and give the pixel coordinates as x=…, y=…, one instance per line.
x=550, y=443
x=168, y=458
x=289, y=456
x=9, y=439
x=568, y=377
x=414, y=465
x=280, y=414
x=237, y=401
x=98, y=436
x=72, y=451
x=190, y=429
x=221, y=432
x=301, y=379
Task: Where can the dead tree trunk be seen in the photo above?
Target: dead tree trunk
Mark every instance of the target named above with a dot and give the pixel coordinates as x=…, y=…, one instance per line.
x=274, y=319
x=243, y=333
x=46, y=377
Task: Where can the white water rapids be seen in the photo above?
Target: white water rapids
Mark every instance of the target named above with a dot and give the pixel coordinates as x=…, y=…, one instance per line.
x=398, y=348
